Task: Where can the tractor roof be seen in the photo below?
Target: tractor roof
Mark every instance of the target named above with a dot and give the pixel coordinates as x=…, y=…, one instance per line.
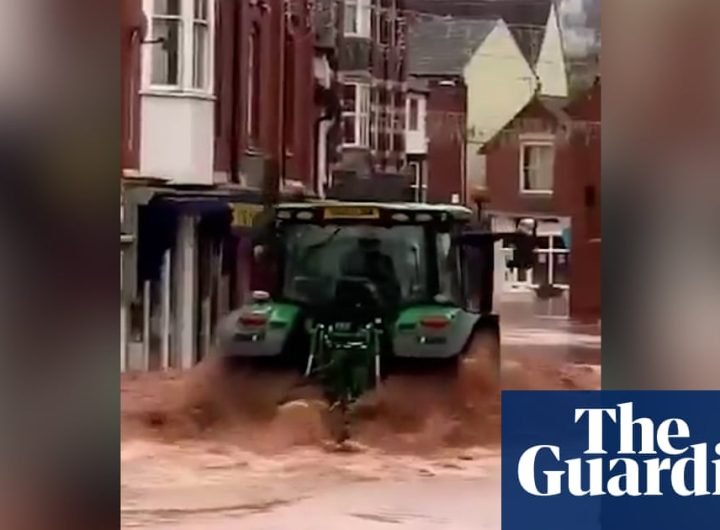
x=455, y=211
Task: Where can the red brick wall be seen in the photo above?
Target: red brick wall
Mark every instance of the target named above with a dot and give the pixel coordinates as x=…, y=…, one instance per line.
x=584, y=162
x=275, y=136
x=577, y=172
x=132, y=21
x=503, y=169
x=301, y=88
x=446, y=111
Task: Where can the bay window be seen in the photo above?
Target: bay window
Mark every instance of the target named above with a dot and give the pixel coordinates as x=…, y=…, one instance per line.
x=180, y=55
x=356, y=115
x=201, y=47
x=357, y=18
x=167, y=51
x=413, y=114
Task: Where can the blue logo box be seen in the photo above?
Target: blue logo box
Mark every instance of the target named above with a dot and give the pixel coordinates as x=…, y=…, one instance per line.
x=591, y=460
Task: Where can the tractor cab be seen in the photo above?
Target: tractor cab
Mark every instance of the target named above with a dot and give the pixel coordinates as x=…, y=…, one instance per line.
x=391, y=256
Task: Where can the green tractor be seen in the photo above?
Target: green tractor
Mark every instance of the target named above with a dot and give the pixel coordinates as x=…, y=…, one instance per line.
x=365, y=290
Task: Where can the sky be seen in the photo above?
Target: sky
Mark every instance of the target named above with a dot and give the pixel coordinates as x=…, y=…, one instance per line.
x=577, y=17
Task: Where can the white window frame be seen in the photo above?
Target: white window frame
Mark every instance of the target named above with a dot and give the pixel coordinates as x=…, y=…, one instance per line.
x=152, y=35
x=549, y=252
x=204, y=23
x=187, y=57
x=410, y=100
x=547, y=144
x=361, y=115
x=391, y=115
x=362, y=11
x=419, y=185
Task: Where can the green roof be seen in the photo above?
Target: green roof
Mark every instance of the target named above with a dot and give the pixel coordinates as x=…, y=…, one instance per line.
x=457, y=212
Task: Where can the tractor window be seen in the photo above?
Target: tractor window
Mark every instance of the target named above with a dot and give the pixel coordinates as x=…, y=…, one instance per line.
x=448, y=276
x=393, y=259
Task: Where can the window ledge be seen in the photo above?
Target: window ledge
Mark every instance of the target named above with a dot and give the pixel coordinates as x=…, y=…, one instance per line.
x=357, y=36
x=537, y=193
x=177, y=93
x=254, y=151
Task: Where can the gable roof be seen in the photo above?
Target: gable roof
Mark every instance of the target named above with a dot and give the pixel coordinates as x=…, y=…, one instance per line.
x=443, y=46
x=556, y=105
x=526, y=19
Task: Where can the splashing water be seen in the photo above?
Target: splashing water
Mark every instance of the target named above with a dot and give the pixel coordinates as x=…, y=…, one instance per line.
x=272, y=412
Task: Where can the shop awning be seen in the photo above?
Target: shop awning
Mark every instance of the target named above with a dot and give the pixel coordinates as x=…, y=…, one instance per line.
x=195, y=205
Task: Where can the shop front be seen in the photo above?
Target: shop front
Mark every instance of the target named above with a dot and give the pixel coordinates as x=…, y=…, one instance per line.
x=552, y=264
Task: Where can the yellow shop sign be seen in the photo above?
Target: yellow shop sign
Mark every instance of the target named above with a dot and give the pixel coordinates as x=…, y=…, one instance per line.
x=244, y=214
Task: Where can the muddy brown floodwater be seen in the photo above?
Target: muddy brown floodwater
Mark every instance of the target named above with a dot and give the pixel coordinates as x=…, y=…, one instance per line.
x=206, y=448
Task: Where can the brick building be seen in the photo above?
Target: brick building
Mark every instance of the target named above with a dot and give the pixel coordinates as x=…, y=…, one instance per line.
x=525, y=178
x=440, y=51
x=583, y=167
x=372, y=70
x=221, y=102
x=263, y=83
x=446, y=114
x=545, y=164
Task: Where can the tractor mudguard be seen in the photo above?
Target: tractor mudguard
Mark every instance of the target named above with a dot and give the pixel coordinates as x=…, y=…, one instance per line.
x=257, y=330
x=433, y=332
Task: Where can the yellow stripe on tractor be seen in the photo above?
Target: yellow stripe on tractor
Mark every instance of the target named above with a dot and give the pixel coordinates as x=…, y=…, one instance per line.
x=351, y=212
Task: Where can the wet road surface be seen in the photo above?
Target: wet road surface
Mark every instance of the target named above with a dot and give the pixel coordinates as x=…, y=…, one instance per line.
x=423, y=504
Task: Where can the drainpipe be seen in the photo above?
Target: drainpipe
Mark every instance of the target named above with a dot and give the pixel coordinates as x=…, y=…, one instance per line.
x=463, y=169
x=326, y=116
x=282, y=91
x=234, y=95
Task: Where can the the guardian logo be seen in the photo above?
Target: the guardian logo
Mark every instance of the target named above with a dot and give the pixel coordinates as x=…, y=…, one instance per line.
x=650, y=458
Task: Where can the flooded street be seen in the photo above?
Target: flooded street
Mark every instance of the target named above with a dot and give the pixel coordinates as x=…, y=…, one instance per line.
x=284, y=476
x=448, y=503
x=308, y=489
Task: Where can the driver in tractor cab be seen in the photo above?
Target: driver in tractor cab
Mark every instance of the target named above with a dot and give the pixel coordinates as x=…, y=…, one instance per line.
x=367, y=260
